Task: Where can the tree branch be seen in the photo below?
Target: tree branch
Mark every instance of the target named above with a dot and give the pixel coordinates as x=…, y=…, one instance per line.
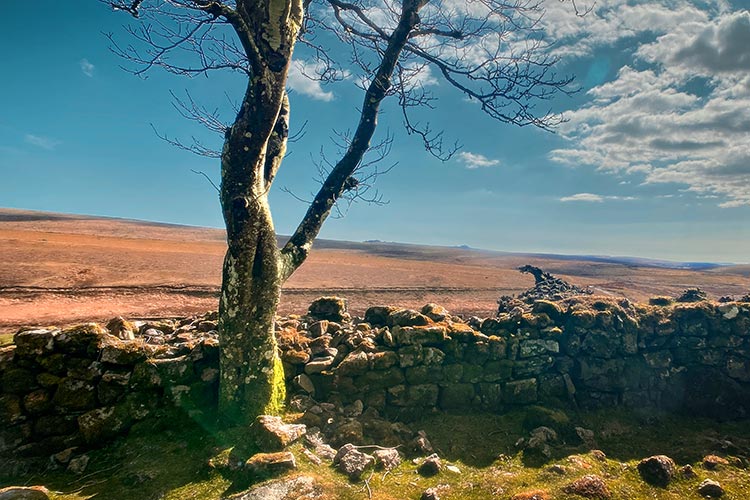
x=298, y=247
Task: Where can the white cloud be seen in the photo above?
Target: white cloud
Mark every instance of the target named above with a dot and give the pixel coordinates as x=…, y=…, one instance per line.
x=47, y=143
x=475, y=160
x=680, y=113
x=87, y=68
x=417, y=75
x=304, y=77
x=594, y=198
x=588, y=197
x=608, y=21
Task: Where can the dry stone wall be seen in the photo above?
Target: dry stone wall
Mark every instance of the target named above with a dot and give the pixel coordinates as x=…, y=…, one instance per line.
x=84, y=385
x=586, y=353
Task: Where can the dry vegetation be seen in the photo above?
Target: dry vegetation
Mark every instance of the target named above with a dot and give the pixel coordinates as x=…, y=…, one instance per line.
x=62, y=269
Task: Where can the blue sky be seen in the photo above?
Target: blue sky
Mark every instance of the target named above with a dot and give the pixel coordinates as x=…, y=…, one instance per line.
x=653, y=162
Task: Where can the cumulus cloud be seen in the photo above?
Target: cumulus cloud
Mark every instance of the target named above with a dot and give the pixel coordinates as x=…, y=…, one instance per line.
x=721, y=47
x=39, y=141
x=305, y=77
x=86, y=67
x=594, y=198
x=651, y=122
x=608, y=21
x=475, y=160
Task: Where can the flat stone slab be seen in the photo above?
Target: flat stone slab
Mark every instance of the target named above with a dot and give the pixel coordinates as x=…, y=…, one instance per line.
x=24, y=493
x=273, y=434
x=282, y=489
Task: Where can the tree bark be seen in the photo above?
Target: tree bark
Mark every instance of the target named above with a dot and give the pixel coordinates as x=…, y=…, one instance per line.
x=252, y=379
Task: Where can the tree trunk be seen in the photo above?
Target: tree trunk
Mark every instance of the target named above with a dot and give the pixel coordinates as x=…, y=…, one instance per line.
x=252, y=377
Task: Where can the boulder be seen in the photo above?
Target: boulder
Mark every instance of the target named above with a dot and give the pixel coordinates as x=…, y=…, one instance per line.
x=407, y=317
x=435, y=312
x=120, y=352
x=378, y=315
x=122, y=328
x=355, y=363
x=657, y=470
x=521, y=391
x=430, y=466
x=10, y=409
x=75, y=395
x=33, y=343
x=86, y=339
x=387, y=459
x=318, y=365
x=352, y=462
x=24, y=493
x=713, y=462
x=263, y=464
x=589, y=486
x=318, y=328
x=305, y=383
x=329, y=308
x=102, y=423
x=272, y=434
x=710, y=489
x=348, y=432
x=431, y=494
x=281, y=489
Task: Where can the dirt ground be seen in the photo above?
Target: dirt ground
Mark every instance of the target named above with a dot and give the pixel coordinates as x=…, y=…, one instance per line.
x=59, y=269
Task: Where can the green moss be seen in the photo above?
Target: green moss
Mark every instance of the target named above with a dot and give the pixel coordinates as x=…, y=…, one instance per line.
x=6, y=339
x=278, y=389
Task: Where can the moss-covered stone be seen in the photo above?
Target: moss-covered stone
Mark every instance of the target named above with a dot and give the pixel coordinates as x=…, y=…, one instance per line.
x=456, y=396
x=81, y=340
x=521, y=391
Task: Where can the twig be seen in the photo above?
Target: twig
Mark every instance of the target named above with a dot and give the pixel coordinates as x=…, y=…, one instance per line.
x=365, y=446
x=95, y=473
x=367, y=484
x=200, y=172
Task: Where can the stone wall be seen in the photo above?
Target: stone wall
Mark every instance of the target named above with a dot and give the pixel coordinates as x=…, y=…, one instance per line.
x=83, y=385
x=587, y=353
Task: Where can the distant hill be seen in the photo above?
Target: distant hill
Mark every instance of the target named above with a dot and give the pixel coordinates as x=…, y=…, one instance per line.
x=392, y=249
x=62, y=268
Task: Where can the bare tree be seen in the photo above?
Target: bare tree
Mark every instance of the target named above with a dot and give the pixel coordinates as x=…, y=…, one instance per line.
x=493, y=51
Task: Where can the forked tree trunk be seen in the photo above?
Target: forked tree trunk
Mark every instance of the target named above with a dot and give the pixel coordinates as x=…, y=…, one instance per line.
x=252, y=378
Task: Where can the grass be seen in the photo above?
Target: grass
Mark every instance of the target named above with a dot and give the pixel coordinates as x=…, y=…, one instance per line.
x=6, y=339
x=170, y=461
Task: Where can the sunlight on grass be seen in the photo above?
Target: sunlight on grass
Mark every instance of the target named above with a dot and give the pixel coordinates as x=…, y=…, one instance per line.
x=170, y=461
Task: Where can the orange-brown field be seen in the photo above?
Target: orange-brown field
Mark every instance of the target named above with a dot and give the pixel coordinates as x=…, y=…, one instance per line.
x=59, y=269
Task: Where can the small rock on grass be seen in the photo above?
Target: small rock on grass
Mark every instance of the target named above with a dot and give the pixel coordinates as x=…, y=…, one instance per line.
x=657, y=470
x=281, y=489
x=688, y=472
x=589, y=486
x=24, y=493
x=430, y=494
x=431, y=466
x=273, y=434
x=713, y=462
x=434, y=492
x=710, y=489
x=387, y=459
x=271, y=463
x=352, y=462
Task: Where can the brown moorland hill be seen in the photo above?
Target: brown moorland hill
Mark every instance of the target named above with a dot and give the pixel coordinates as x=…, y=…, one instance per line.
x=58, y=268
